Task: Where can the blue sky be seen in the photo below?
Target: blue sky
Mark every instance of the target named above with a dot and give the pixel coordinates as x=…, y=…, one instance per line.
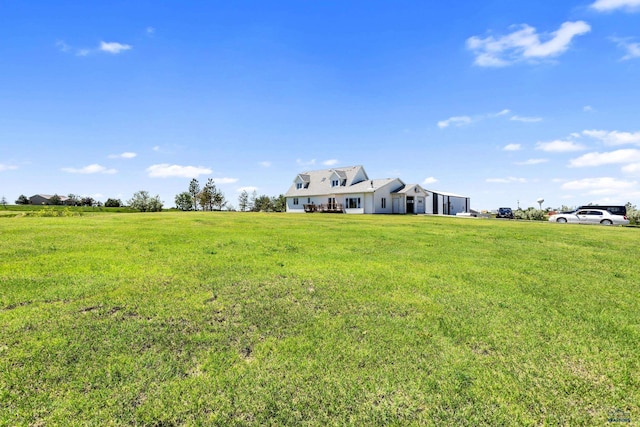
x=502, y=101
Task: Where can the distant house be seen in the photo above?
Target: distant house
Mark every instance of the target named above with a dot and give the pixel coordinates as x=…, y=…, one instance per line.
x=350, y=190
x=45, y=199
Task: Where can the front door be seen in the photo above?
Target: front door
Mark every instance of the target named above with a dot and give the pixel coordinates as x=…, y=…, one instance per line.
x=409, y=204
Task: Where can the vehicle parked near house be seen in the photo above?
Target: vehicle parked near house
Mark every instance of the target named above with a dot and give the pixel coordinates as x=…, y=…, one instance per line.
x=505, y=213
x=614, y=209
x=590, y=216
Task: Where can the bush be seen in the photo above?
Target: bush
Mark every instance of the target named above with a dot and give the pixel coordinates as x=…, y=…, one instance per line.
x=51, y=212
x=531, y=214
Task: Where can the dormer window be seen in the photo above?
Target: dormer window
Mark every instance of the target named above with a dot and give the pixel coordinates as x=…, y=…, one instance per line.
x=335, y=182
x=343, y=183
x=298, y=186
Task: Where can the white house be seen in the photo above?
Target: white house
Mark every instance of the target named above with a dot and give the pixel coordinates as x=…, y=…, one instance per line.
x=350, y=190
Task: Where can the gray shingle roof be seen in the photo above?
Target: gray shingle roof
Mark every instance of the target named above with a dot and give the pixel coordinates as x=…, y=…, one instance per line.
x=320, y=181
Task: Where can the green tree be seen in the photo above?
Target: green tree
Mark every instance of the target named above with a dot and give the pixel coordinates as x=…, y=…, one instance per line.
x=87, y=201
x=279, y=203
x=633, y=213
x=113, y=203
x=194, y=189
x=55, y=200
x=22, y=200
x=243, y=201
x=263, y=204
x=144, y=203
x=73, y=200
x=184, y=201
x=3, y=202
x=252, y=201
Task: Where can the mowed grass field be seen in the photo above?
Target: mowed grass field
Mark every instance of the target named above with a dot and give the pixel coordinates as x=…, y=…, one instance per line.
x=275, y=319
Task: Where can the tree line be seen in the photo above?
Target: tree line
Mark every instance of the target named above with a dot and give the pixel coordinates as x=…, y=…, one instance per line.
x=207, y=198
x=210, y=198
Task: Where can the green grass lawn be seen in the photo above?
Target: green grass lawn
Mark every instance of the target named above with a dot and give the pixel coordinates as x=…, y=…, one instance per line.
x=253, y=319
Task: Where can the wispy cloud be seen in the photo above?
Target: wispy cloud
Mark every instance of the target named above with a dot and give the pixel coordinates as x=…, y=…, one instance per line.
x=509, y=180
x=430, y=180
x=150, y=31
x=265, y=164
x=600, y=186
x=301, y=162
x=166, y=170
x=614, y=137
x=532, y=162
x=331, y=162
x=588, y=109
x=630, y=155
x=114, y=47
x=526, y=119
x=455, y=121
x=107, y=47
x=512, y=147
x=611, y=5
x=125, y=155
x=467, y=120
x=560, y=146
x=4, y=167
x=91, y=169
x=223, y=181
x=524, y=44
x=631, y=48
x=632, y=169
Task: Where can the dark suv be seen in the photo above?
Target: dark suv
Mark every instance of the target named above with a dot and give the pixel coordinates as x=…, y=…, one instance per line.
x=505, y=213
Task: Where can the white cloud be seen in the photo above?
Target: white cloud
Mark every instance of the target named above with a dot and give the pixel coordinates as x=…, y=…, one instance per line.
x=512, y=147
x=156, y=148
x=456, y=121
x=91, y=169
x=524, y=44
x=430, y=180
x=532, y=162
x=630, y=155
x=600, y=186
x=7, y=167
x=222, y=181
x=265, y=164
x=609, y=5
x=150, y=31
x=331, y=162
x=114, y=47
x=632, y=169
x=508, y=180
x=588, y=109
x=249, y=189
x=614, y=137
x=559, y=146
x=526, y=119
x=125, y=155
x=632, y=48
x=499, y=113
x=62, y=46
x=166, y=170
x=301, y=162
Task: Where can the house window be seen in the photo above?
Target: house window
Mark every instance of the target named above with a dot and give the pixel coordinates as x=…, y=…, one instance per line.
x=353, y=203
x=343, y=183
x=299, y=186
x=295, y=200
x=383, y=202
x=335, y=182
x=306, y=185
x=308, y=200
